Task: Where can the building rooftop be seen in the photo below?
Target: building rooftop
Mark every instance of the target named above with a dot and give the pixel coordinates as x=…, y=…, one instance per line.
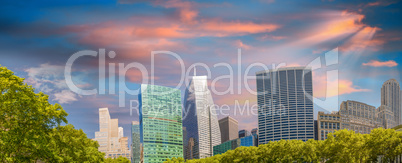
x=228, y=118
x=283, y=68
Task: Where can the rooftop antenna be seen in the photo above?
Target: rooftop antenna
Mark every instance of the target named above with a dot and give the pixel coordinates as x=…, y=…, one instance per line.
x=195, y=71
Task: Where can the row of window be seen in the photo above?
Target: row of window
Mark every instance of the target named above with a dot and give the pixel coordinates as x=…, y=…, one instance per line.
x=330, y=125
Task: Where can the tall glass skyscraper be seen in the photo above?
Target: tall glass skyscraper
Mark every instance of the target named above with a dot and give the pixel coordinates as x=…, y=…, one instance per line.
x=200, y=120
x=160, y=123
x=135, y=142
x=285, y=104
x=391, y=97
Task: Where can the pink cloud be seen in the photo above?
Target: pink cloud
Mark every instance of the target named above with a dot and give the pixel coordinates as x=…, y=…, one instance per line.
x=338, y=24
x=380, y=3
x=363, y=40
x=346, y=23
x=324, y=88
x=373, y=4
x=374, y=63
x=240, y=44
x=221, y=28
x=186, y=10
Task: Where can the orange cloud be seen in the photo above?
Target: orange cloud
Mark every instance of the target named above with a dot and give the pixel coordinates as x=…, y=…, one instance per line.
x=373, y=4
x=160, y=32
x=347, y=87
x=221, y=28
x=340, y=24
x=374, y=63
x=152, y=30
x=188, y=16
x=380, y=3
x=324, y=88
x=362, y=41
x=240, y=44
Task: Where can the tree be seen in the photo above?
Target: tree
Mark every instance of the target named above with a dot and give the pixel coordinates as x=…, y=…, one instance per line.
x=72, y=145
x=344, y=146
x=30, y=128
x=175, y=160
x=384, y=143
x=341, y=146
x=26, y=120
x=117, y=160
x=310, y=151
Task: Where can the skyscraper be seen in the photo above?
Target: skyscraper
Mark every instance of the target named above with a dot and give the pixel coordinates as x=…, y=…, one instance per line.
x=160, y=123
x=254, y=131
x=244, y=133
x=200, y=120
x=391, y=97
x=285, y=104
x=135, y=142
x=229, y=128
x=110, y=136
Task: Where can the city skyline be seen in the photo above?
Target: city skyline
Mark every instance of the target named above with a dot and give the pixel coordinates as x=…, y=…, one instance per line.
x=294, y=35
x=150, y=80
x=352, y=115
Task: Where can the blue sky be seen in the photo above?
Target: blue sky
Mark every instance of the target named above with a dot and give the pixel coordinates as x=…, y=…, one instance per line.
x=37, y=39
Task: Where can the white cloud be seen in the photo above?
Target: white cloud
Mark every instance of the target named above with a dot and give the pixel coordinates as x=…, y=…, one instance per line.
x=46, y=77
x=65, y=96
x=49, y=79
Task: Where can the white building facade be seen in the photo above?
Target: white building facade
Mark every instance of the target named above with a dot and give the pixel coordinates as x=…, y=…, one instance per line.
x=110, y=136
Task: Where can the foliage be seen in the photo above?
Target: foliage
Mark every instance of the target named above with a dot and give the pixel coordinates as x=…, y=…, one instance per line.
x=72, y=145
x=117, y=160
x=344, y=146
x=386, y=143
x=30, y=128
x=341, y=146
x=26, y=120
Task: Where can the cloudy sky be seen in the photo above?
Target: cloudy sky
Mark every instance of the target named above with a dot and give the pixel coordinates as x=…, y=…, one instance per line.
x=38, y=38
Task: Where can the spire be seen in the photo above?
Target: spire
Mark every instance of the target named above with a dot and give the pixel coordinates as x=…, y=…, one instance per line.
x=195, y=71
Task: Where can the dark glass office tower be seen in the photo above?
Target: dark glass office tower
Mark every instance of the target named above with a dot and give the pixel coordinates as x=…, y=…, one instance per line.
x=285, y=104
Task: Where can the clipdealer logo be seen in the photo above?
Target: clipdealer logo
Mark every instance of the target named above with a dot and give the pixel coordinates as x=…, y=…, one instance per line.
x=329, y=59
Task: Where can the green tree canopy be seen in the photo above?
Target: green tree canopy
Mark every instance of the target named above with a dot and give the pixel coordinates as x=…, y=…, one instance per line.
x=72, y=145
x=26, y=120
x=30, y=128
x=341, y=146
x=117, y=160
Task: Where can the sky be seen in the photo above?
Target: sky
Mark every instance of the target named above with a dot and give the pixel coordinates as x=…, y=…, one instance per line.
x=353, y=48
